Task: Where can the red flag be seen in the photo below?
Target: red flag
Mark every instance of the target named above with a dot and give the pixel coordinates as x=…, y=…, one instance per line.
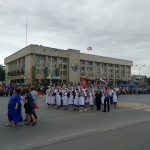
x=83, y=82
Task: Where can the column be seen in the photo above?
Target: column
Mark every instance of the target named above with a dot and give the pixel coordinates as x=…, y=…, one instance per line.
x=100, y=70
x=85, y=68
x=130, y=74
x=125, y=72
x=107, y=73
x=93, y=69
x=113, y=74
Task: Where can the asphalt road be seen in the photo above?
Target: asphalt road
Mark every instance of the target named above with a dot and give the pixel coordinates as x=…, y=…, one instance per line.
x=123, y=128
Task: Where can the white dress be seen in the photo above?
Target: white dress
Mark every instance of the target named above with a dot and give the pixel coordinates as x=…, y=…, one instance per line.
x=91, y=99
x=115, y=99
x=52, y=98
x=81, y=99
x=76, y=99
x=48, y=97
x=71, y=98
x=58, y=98
x=65, y=99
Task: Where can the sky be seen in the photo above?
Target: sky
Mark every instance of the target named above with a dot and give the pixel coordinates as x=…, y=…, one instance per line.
x=118, y=28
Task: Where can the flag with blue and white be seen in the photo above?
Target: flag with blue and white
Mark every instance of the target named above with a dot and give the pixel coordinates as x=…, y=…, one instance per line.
x=103, y=82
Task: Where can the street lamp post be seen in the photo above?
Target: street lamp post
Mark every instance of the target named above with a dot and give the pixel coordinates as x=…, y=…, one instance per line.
x=139, y=71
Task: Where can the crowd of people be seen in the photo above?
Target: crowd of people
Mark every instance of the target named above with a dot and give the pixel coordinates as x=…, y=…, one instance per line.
x=76, y=98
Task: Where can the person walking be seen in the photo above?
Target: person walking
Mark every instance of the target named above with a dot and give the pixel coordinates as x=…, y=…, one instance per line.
x=14, y=108
x=29, y=108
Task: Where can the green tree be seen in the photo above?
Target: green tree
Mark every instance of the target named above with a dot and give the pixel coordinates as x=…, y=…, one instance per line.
x=2, y=73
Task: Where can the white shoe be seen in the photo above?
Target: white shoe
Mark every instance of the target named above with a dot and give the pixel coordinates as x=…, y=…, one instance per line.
x=80, y=111
x=85, y=109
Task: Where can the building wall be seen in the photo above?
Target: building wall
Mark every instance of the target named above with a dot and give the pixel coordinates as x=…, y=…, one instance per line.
x=22, y=65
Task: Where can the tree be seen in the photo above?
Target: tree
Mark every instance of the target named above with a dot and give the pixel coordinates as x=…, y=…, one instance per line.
x=2, y=73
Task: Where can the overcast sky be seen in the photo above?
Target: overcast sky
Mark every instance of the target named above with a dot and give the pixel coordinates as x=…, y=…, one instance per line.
x=114, y=28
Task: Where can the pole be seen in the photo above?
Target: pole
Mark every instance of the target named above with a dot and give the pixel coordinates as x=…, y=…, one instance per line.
x=139, y=76
x=26, y=32
x=51, y=71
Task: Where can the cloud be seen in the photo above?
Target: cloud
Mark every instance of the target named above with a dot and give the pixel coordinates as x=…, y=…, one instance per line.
x=116, y=28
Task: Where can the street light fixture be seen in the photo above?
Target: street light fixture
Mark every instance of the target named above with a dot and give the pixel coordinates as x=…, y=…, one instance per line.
x=139, y=71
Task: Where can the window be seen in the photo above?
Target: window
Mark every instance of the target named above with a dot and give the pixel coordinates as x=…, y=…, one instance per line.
x=60, y=73
x=36, y=71
x=64, y=60
x=82, y=68
x=60, y=60
x=60, y=66
x=54, y=72
x=64, y=72
x=42, y=71
x=37, y=64
x=40, y=57
x=42, y=64
x=82, y=62
x=89, y=63
x=116, y=66
x=49, y=65
x=53, y=65
x=110, y=65
x=54, y=59
x=64, y=67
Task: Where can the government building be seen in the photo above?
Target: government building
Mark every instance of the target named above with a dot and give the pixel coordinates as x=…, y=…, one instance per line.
x=39, y=64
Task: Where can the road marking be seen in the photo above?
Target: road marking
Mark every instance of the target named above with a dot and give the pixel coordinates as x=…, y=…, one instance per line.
x=139, y=106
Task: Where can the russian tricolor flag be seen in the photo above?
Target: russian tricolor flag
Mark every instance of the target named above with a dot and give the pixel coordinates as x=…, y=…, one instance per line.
x=103, y=82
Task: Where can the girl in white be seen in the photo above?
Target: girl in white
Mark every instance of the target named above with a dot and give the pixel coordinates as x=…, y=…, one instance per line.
x=65, y=99
x=48, y=97
x=81, y=99
x=70, y=98
x=76, y=99
x=115, y=99
x=52, y=98
x=91, y=103
x=87, y=99
x=58, y=98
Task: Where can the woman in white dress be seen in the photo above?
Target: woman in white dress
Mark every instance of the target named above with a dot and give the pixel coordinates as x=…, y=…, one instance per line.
x=65, y=99
x=91, y=103
x=58, y=98
x=103, y=97
x=115, y=98
x=71, y=98
x=52, y=98
x=48, y=97
x=87, y=99
x=81, y=99
x=76, y=100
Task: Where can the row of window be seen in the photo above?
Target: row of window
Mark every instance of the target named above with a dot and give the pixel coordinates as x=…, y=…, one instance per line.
x=42, y=64
x=54, y=59
x=37, y=71
x=97, y=64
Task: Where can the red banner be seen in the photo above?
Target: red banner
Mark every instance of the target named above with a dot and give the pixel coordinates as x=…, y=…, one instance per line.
x=90, y=82
x=83, y=82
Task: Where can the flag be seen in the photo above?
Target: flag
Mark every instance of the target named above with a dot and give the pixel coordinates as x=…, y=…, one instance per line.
x=89, y=48
x=103, y=82
x=83, y=82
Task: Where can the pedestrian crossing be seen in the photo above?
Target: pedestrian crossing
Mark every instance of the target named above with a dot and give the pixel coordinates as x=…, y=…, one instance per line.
x=137, y=106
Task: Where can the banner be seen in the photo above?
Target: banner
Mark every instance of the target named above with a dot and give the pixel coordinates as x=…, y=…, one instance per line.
x=90, y=82
x=83, y=82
